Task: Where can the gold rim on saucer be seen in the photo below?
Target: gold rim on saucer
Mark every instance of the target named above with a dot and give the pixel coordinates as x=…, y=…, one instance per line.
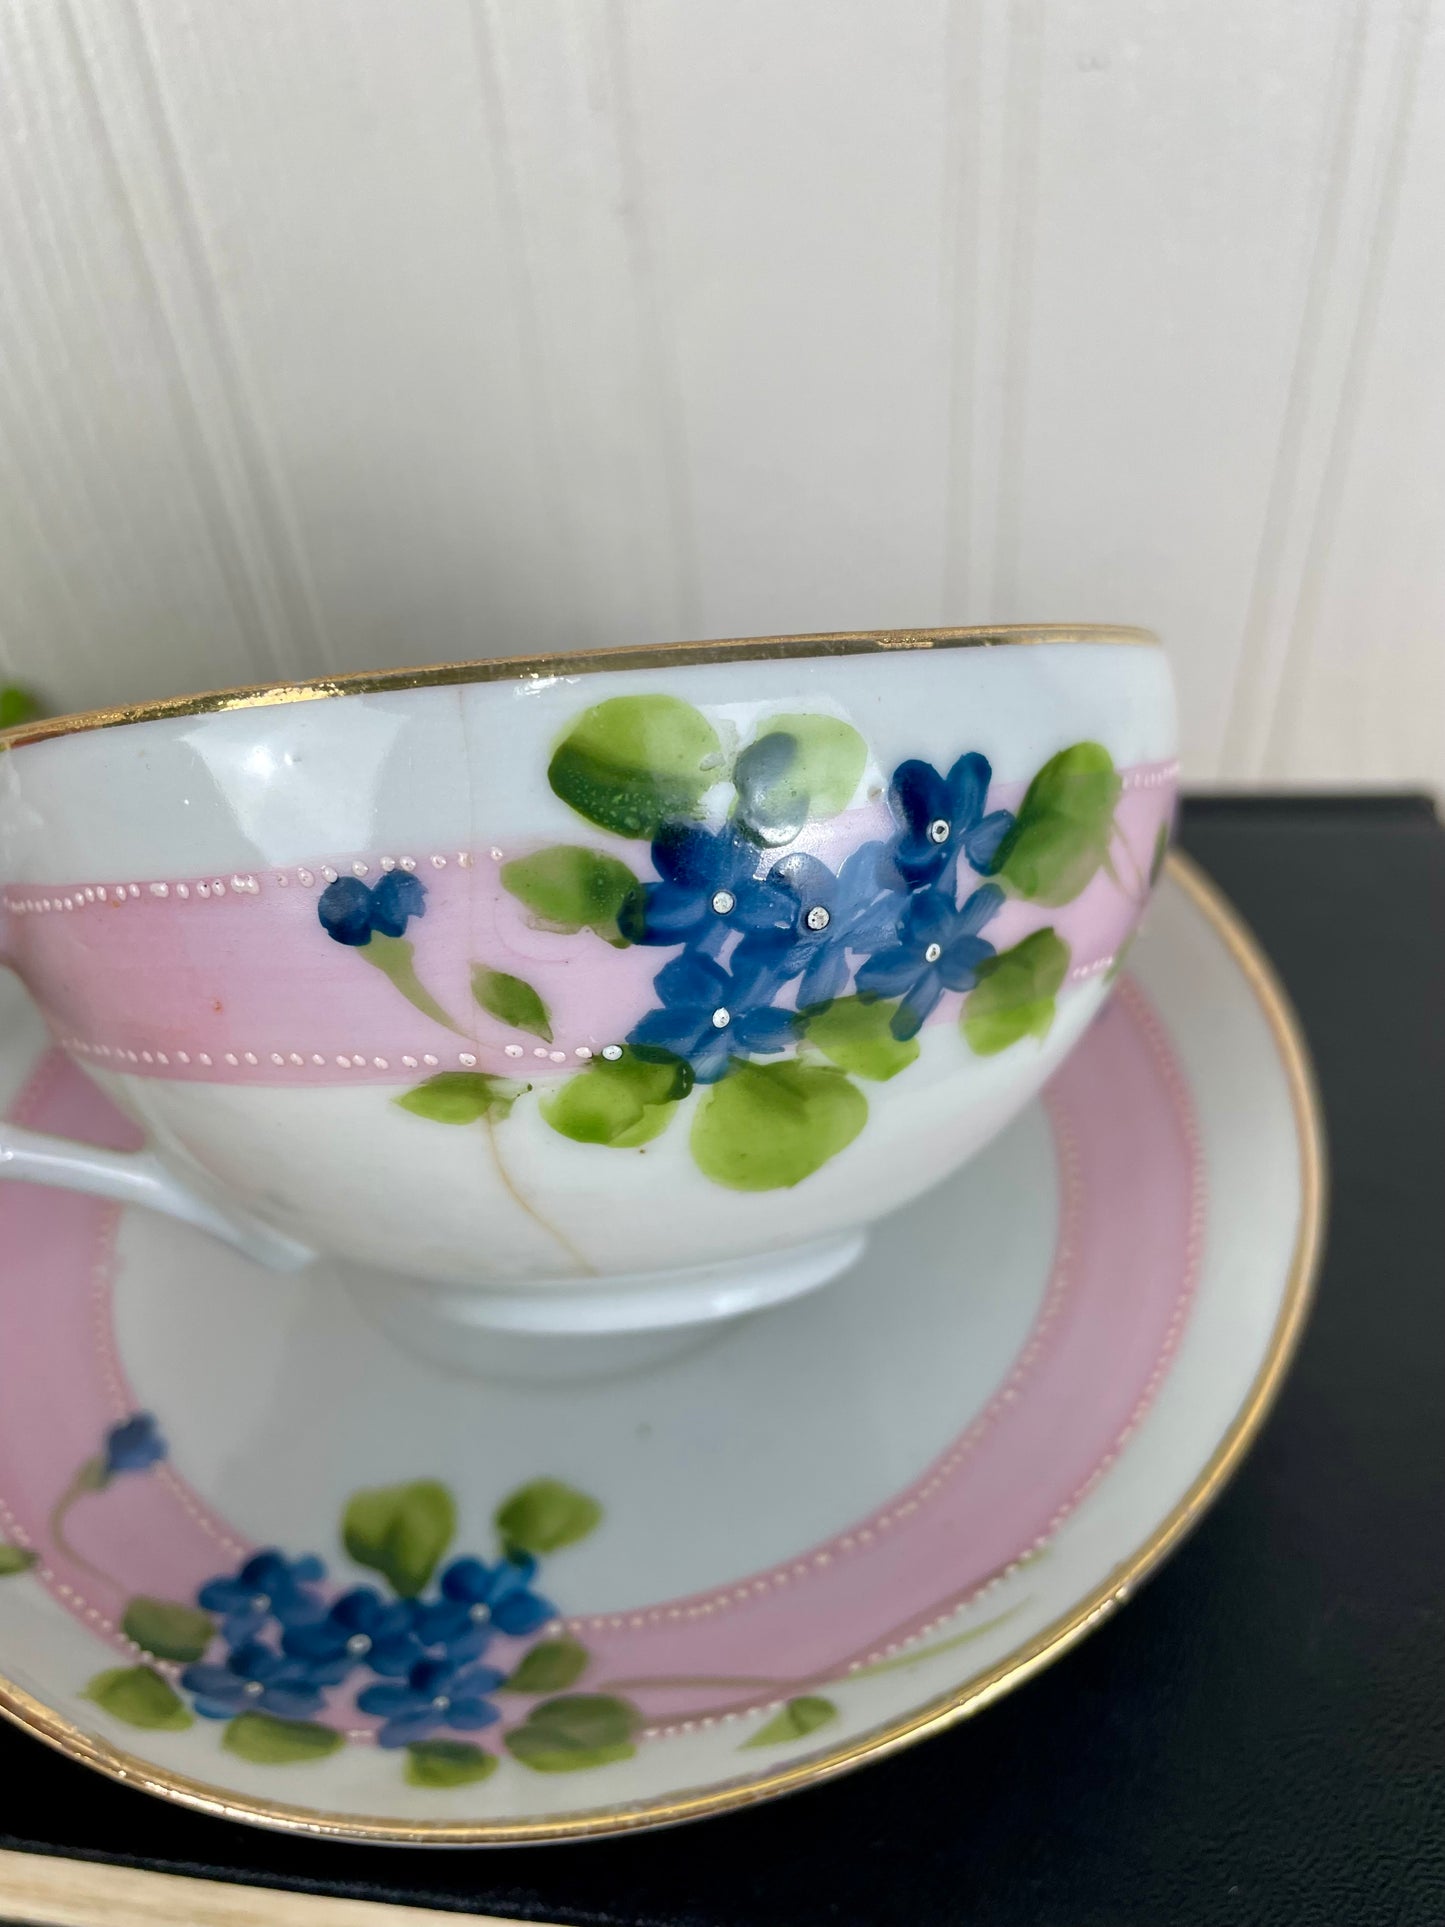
x=1019, y=1665
x=665, y=655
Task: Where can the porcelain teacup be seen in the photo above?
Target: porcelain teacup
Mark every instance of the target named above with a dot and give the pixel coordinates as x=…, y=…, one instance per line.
x=585, y=994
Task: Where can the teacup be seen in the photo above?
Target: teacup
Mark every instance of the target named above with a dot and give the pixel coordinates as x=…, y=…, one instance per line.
x=585, y=993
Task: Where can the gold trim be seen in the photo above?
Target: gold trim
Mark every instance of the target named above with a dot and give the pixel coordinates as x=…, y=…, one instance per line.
x=561, y=665
x=1011, y=1671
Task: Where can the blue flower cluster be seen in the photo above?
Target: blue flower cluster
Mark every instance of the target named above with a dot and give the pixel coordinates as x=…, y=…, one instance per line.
x=889, y=920
x=287, y=1645
x=352, y=912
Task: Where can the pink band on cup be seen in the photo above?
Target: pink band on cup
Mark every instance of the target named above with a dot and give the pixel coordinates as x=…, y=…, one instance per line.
x=232, y=978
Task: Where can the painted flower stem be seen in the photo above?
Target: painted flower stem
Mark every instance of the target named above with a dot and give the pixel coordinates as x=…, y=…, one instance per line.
x=1134, y=886
x=524, y=1203
x=85, y=1480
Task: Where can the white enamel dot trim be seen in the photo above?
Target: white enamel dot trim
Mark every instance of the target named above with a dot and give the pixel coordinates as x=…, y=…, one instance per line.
x=204, y=889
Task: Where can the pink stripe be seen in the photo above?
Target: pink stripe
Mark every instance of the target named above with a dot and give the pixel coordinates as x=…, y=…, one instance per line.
x=242, y=985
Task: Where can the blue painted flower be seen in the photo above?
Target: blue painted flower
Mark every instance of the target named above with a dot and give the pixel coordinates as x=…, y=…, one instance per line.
x=133, y=1445
x=268, y=1586
x=360, y=1629
x=436, y=1693
x=351, y=912
x=397, y=898
x=254, y=1678
x=943, y=817
x=938, y=949
x=709, y=1015
x=856, y=910
x=478, y=1600
x=708, y=888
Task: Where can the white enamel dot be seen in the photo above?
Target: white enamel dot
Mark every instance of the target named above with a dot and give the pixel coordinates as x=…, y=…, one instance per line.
x=612, y=1052
x=724, y=902
x=938, y=830
x=817, y=918
x=933, y=953
x=721, y=1018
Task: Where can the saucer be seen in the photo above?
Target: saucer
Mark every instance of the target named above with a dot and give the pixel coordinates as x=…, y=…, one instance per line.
x=258, y=1558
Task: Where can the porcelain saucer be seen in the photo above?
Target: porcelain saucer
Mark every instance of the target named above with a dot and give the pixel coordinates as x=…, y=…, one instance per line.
x=261, y=1560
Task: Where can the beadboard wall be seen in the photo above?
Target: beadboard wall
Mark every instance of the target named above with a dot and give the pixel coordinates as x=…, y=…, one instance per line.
x=343, y=333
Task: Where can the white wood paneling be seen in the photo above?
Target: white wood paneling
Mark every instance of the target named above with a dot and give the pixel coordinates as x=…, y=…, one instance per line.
x=336, y=333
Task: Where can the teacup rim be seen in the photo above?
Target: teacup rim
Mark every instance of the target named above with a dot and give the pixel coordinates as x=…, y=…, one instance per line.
x=554, y=663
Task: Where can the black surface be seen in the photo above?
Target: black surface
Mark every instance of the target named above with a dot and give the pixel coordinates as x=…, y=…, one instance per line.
x=1257, y=1738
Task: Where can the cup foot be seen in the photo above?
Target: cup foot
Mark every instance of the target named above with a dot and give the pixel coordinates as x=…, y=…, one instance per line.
x=609, y=1326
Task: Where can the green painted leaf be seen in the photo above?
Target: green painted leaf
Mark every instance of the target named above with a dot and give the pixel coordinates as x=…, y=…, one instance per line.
x=17, y=706
x=267, y=1741
x=549, y=1667
x=462, y=1097
x=139, y=1696
x=622, y=1102
x=765, y=1126
x=545, y=1516
x=579, y=1730
x=1161, y=854
x=795, y=1721
x=772, y=804
x=15, y=1559
x=1061, y=833
x=447, y=1763
x=854, y=1034
x=393, y=957
x=636, y=762
x=1015, y=992
x=400, y=1531
x=569, y=888
x=166, y=1629
x=829, y=762
x=511, y=1000
x=798, y=767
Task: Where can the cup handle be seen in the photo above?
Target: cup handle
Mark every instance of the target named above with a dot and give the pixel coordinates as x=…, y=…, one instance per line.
x=135, y=1177
x=139, y=1177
